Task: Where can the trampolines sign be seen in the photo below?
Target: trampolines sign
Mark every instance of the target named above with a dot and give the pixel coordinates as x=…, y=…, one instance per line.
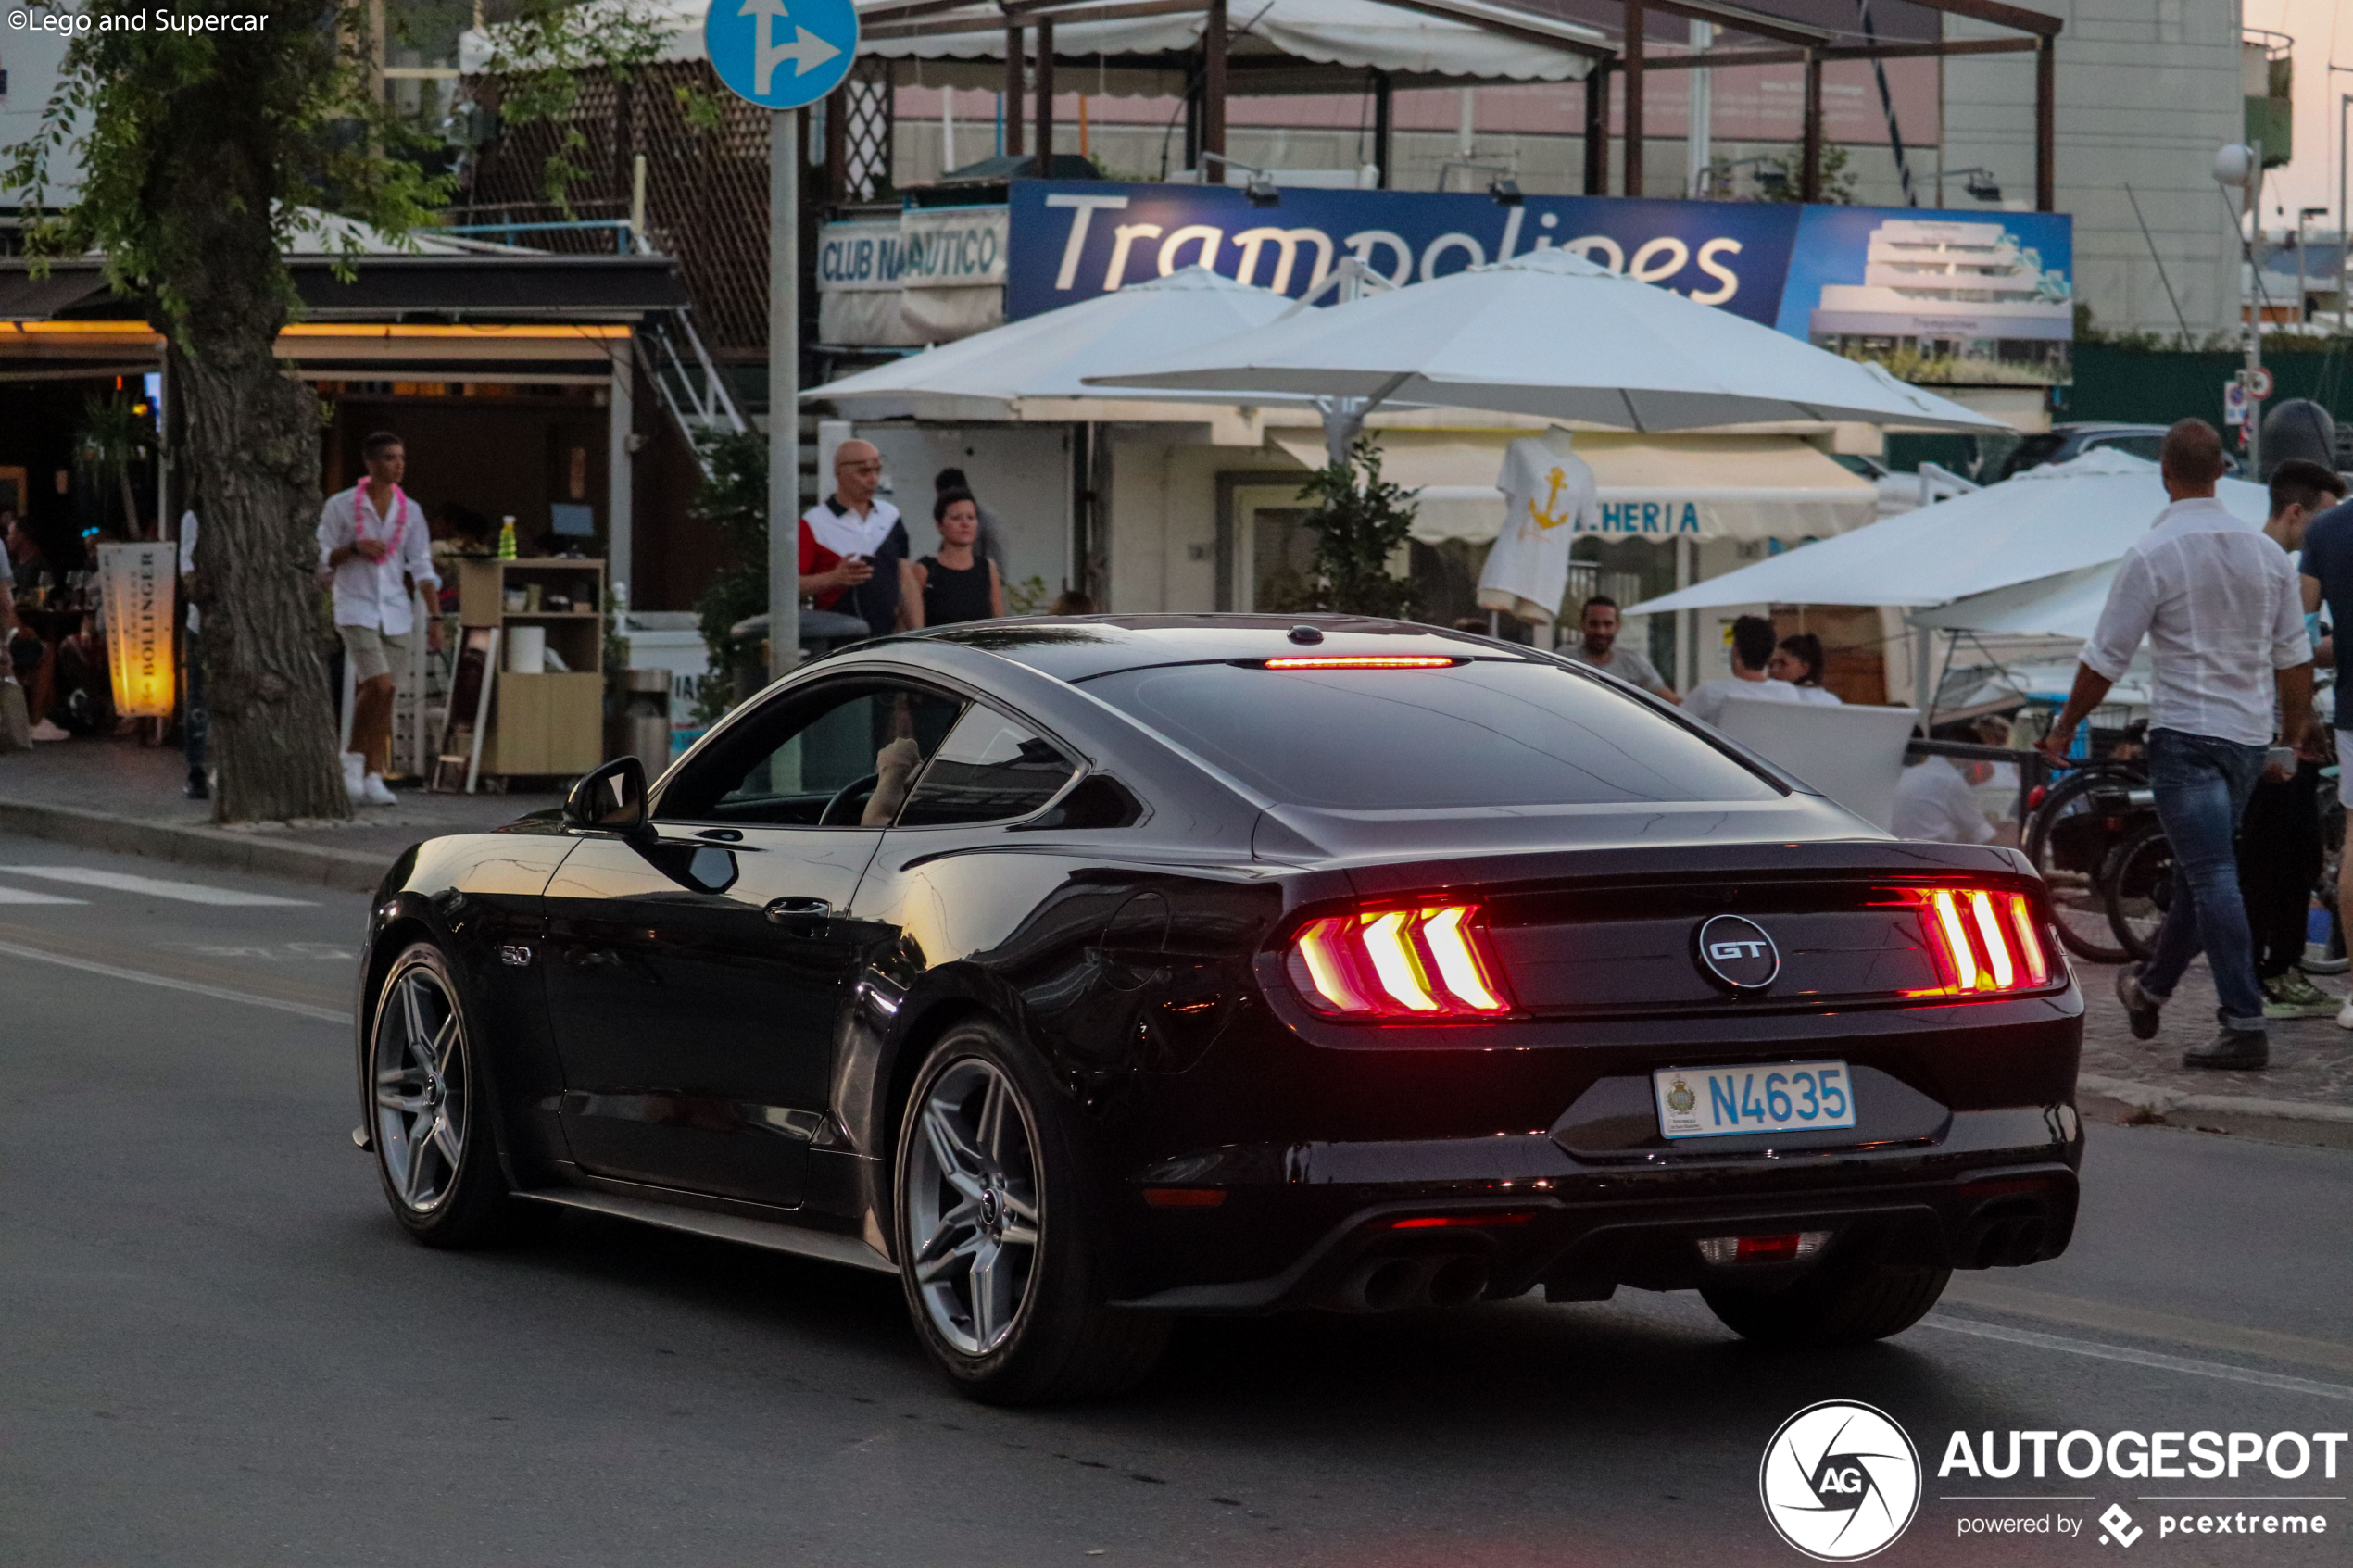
x=1954, y=296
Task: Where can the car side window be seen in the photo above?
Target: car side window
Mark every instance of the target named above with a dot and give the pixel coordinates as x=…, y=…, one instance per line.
x=841, y=755
x=991, y=769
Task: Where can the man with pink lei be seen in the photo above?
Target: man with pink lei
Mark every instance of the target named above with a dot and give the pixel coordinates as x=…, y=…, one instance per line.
x=373, y=544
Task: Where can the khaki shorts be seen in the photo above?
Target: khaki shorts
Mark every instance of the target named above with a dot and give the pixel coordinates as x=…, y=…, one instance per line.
x=370, y=652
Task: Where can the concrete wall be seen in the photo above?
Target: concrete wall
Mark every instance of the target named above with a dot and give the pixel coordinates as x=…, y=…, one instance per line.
x=2147, y=90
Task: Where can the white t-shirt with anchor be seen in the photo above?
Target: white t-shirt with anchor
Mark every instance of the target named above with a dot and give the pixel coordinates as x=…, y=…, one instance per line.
x=1550, y=496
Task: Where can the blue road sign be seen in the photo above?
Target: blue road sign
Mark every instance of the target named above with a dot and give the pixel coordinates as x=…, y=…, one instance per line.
x=781, y=53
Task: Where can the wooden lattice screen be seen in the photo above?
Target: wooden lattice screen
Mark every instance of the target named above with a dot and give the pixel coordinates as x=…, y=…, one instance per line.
x=865, y=106
x=706, y=187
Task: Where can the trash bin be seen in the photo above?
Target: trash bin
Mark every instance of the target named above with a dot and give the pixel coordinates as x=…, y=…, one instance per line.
x=645, y=723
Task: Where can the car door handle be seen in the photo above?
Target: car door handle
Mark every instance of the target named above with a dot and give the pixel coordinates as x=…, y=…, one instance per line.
x=807, y=916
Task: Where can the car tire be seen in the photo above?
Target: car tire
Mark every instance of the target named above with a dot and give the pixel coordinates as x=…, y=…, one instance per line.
x=433, y=1116
x=995, y=1243
x=1848, y=1305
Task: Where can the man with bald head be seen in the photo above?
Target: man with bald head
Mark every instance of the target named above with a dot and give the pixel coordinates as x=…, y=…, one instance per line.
x=853, y=547
x=2219, y=603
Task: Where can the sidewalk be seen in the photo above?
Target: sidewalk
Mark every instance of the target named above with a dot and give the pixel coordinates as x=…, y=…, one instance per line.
x=2306, y=1096
x=116, y=794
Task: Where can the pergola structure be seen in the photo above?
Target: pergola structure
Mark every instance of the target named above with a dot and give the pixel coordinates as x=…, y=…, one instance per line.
x=1214, y=71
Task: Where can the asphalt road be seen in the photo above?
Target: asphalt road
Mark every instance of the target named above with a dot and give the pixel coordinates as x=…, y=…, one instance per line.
x=215, y=1347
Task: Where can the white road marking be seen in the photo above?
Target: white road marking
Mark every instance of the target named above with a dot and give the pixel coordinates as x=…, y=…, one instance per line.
x=153, y=887
x=2137, y=1357
x=27, y=896
x=219, y=993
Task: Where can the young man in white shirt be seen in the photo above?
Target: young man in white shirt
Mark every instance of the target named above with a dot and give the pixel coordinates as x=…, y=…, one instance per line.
x=2225, y=620
x=1751, y=651
x=372, y=541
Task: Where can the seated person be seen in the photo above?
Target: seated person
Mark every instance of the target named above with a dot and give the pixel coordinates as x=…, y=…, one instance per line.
x=1752, y=652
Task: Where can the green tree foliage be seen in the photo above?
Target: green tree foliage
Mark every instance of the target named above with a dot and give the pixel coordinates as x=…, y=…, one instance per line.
x=1359, y=519
x=733, y=499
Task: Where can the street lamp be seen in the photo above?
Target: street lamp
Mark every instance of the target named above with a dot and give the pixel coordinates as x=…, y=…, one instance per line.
x=1502, y=189
x=1979, y=183
x=2344, y=226
x=1258, y=189
x=2238, y=164
x=2303, y=216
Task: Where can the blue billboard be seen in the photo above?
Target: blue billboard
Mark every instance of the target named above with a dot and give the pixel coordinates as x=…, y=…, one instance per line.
x=1945, y=297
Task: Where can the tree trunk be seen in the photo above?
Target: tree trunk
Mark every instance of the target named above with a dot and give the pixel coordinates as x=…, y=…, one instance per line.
x=253, y=447
x=252, y=428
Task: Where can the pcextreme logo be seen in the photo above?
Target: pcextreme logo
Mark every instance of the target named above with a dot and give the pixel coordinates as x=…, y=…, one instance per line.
x=1840, y=1481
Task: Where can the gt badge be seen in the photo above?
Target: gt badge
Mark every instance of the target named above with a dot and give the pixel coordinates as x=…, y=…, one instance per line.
x=1739, y=953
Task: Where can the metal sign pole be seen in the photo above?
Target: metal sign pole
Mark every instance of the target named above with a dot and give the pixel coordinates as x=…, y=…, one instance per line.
x=751, y=46
x=784, y=395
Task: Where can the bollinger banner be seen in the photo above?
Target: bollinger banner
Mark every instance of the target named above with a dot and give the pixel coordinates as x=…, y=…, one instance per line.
x=136, y=586
x=1954, y=297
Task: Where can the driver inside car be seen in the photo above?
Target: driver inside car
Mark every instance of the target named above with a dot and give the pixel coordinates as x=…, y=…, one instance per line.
x=895, y=768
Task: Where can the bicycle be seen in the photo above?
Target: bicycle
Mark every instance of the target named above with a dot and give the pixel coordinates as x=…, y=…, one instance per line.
x=2136, y=884
x=2073, y=829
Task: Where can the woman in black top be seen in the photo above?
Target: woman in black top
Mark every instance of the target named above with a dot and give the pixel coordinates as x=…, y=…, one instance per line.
x=959, y=584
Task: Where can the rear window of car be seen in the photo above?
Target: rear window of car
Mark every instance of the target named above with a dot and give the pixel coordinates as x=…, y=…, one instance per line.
x=1489, y=732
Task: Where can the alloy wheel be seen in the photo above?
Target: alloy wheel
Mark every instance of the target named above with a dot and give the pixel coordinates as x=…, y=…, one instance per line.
x=973, y=1219
x=421, y=1089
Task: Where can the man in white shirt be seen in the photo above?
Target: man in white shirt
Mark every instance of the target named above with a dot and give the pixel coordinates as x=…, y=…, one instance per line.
x=372, y=541
x=1934, y=802
x=1597, y=648
x=1751, y=651
x=2225, y=618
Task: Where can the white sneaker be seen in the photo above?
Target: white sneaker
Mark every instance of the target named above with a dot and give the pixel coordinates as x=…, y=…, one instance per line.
x=2345, y=1014
x=354, y=766
x=374, y=792
x=47, y=730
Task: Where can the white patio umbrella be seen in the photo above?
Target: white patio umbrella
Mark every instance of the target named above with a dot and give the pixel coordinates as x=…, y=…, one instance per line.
x=2046, y=521
x=991, y=374
x=1553, y=335
x=2066, y=605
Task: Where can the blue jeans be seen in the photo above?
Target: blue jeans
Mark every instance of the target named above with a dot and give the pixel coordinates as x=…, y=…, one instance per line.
x=2202, y=785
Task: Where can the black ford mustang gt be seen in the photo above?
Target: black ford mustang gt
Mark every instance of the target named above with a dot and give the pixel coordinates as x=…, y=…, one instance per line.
x=1086, y=972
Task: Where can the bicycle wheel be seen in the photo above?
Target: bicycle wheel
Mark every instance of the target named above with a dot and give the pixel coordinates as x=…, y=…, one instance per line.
x=2069, y=837
x=2136, y=888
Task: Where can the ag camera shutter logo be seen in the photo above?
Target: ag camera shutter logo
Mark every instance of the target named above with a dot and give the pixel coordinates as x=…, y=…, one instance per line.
x=1840, y=1481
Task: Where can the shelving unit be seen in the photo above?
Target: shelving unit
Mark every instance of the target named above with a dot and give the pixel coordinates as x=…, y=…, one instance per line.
x=547, y=723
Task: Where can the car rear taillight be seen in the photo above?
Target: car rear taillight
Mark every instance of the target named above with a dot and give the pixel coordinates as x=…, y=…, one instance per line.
x=1429, y=962
x=1986, y=940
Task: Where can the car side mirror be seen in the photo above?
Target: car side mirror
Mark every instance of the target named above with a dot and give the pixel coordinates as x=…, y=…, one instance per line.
x=611, y=800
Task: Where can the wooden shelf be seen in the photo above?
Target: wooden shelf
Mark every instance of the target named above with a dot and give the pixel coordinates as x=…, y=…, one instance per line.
x=546, y=723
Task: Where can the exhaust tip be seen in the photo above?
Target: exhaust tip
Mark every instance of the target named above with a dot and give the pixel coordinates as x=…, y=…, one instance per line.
x=1458, y=1283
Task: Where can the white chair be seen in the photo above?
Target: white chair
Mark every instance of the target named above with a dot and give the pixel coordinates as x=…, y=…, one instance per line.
x=1853, y=755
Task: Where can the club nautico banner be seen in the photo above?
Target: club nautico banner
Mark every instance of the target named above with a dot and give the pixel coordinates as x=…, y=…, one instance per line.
x=1953, y=297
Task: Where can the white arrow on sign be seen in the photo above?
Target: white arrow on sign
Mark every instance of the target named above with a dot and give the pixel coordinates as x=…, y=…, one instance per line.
x=807, y=51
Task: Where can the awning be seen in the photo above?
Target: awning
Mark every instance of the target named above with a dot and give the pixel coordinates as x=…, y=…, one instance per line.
x=1652, y=486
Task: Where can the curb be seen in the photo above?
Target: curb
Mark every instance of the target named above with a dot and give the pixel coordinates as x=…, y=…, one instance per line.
x=2127, y=1103
x=347, y=871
